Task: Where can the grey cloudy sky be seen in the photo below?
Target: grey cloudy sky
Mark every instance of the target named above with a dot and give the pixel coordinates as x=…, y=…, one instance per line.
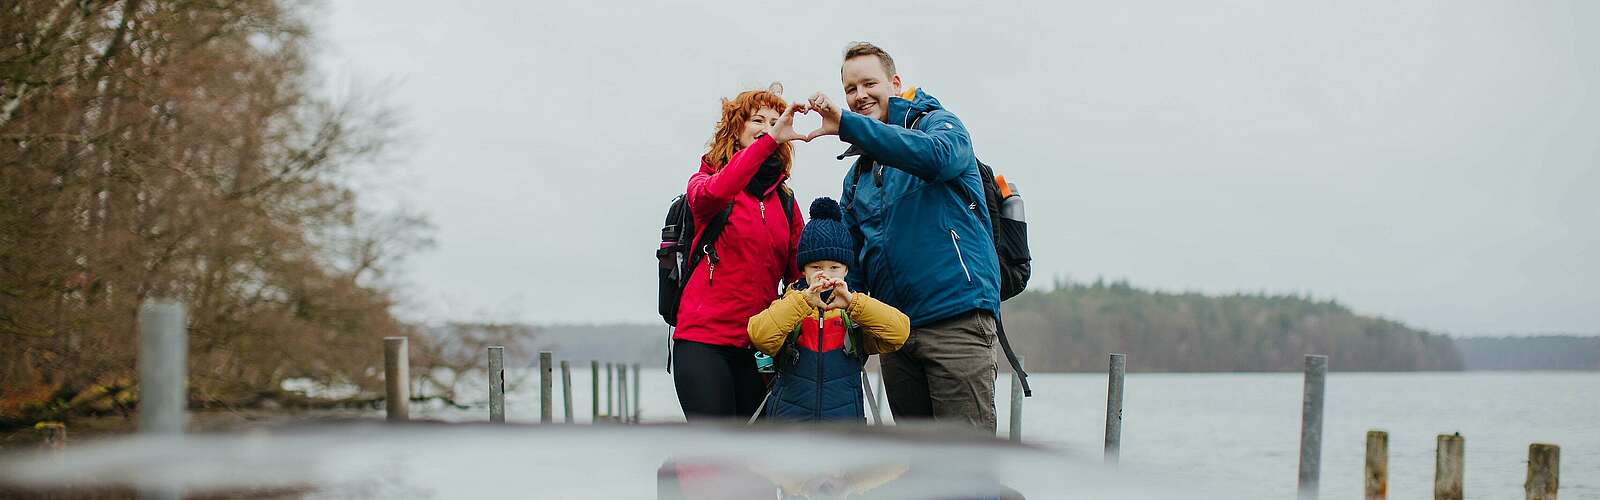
x=1431, y=161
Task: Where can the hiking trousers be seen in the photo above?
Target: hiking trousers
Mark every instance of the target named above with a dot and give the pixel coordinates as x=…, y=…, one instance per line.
x=945, y=371
x=715, y=382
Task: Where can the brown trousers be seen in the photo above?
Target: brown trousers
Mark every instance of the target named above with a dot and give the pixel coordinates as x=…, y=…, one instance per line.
x=945, y=372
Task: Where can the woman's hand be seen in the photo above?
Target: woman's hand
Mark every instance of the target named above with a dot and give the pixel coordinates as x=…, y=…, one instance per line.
x=783, y=129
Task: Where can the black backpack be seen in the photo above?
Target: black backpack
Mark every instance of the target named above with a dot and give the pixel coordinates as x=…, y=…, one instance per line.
x=1010, y=236
x=679, y=253
x=1011, y=246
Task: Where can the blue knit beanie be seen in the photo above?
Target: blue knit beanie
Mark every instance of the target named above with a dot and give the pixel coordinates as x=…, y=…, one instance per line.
x=825, y=237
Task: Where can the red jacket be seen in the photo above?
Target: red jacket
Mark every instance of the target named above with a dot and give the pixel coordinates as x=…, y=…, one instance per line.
x=756, y=251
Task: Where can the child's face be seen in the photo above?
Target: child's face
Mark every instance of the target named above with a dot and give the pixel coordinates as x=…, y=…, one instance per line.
x=825, y=269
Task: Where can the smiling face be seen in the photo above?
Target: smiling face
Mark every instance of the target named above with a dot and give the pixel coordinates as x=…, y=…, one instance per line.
x=756, y=126
x=868, y=86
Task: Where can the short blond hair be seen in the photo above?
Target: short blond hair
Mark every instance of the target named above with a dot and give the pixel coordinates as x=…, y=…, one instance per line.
x=859, y=49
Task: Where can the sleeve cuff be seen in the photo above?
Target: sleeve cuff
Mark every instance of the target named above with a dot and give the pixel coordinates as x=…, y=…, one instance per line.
x=851, y=125
x=858, y=302
x=766, y=143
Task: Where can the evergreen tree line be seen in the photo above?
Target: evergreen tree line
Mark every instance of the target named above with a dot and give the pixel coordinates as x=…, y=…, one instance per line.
x=1075, y=326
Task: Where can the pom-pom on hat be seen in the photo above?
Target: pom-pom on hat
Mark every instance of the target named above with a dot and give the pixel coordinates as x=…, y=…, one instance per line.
x=825, y=237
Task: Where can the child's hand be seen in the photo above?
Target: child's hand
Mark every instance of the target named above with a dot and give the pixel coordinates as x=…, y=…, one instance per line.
x=841, y=294
x=813, y=294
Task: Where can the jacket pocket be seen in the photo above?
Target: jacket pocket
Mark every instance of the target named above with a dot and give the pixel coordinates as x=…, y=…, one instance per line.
x=955, y=242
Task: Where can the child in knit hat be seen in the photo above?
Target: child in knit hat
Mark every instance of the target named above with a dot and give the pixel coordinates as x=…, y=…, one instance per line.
x=820, y=333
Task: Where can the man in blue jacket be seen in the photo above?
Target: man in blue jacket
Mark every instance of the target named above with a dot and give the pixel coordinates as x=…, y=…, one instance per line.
x=920, y=246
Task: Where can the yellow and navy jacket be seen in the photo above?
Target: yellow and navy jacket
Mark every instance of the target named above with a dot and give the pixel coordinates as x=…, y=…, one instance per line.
x=819, y=357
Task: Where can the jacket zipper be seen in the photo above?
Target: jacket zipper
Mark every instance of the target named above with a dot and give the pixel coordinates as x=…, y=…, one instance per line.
x=821, y=323
x=954, y=238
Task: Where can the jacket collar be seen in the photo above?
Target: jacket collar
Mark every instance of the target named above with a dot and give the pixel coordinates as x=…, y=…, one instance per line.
x=853, y=150
x=775, y=186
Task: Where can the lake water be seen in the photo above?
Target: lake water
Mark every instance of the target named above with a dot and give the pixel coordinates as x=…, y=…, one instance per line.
x=1240, y=432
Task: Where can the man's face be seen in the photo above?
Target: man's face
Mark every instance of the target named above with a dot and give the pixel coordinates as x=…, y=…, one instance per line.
x=867, y=86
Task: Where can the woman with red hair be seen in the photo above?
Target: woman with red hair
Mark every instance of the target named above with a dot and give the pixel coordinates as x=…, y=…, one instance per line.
x=743, y=175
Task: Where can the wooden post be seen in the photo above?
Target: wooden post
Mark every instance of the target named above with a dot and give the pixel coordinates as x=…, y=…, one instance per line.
x=1014, y=431
x=1316, y=373
x=163, y=381
x=1118, y=368
x=611, y=397
x=594, y=388
x=566, y=392
x=1544, y=471
x=546, y=402
x=1377, y=470
x=866, y=389
x=55, y=435
x=622, y=393
x=163, y=368
x=1447, y=467
x=635, y=385
x=497, y=384
x=396, y=377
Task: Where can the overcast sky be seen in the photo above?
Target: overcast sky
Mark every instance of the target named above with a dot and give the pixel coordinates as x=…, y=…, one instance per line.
x=1431, y=161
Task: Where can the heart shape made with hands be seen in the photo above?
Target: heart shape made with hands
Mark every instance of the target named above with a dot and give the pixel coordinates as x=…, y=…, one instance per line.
x=800, y=114
x=806, y=120
x=839, y=298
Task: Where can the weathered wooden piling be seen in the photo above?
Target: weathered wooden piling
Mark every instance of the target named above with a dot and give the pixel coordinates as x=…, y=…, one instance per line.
x=396, y=377
x=497, y=384
x=594, y=389
x=566, y=392
x=163, y=365
x=635, y=406
x=1377, y=468
x=1014, y=431
x=1447, y=467
x=1316, y=374
x=1116, y=371
x=622, y=393
x=163, y=381
x=546, y=402
x=1544, y=471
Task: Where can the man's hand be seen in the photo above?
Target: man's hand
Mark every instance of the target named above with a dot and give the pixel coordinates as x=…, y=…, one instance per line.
x=830, y=116
x=783, y=129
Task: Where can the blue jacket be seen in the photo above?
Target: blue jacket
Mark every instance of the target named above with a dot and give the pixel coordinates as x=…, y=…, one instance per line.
x=919, y=248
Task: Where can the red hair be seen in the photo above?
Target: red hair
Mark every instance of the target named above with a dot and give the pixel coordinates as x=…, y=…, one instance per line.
x=737, y=111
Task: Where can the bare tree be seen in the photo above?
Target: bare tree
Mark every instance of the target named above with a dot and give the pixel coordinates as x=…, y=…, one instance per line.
x=175, y=148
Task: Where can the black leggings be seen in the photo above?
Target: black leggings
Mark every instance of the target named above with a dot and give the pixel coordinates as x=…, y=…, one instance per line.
x=715, y=382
